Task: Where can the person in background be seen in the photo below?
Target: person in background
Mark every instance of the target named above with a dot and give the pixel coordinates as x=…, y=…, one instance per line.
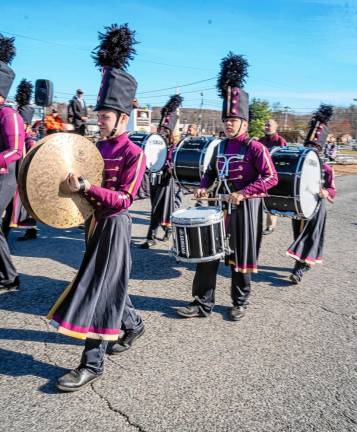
x=53, y=122
x=165, y=195
x=16, y=215
x=78, y=114
x=192, y=130
x=330, y=152
x=309, y=235
x=271, y=139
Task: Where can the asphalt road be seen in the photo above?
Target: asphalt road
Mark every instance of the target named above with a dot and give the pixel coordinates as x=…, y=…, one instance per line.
x=290, y=365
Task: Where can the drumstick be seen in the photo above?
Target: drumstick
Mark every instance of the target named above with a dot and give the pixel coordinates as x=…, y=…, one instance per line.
x=208, y=199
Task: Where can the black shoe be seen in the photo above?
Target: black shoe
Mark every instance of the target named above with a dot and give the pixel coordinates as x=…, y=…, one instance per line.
x=237, y=313
x=298, y=272
x=13, y=286
x=268, y=230
x=76, y=379
x=191, y=311
x=126, y=341
x=30, y=234
x=148, y=244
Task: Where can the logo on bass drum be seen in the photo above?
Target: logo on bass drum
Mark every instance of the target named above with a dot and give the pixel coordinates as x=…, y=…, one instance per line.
x=182, y=241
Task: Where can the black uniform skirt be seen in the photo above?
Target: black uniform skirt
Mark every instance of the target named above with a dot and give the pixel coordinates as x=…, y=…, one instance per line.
x=92, y=305
x=165, y=199
x=309, y=238
x=242, y=229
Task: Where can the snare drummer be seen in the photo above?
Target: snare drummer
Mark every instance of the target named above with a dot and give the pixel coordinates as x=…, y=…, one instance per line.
x=307, y=248
x=271, y=139
x=165, y=195
x=250, y=174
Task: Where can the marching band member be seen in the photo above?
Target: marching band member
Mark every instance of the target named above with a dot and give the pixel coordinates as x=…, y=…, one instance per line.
x=271, y=139
x=12, y=135
x=307, y=248
x=164, y=195
x=96, y=304
x=192, y=130
x=246, y=172
x=16, y=214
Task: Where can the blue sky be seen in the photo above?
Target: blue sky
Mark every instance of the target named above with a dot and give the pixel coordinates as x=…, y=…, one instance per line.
x=300, y=52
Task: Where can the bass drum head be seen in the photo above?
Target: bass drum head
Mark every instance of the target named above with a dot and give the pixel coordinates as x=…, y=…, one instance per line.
x=155, y=150
x=310, y=183
x=209, y=149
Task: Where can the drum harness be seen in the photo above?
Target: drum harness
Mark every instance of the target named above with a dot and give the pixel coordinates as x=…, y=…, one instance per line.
x=223, y=173
x=223, y=178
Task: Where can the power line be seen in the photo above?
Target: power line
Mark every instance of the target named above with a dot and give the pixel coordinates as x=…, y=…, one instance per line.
x=89, y=50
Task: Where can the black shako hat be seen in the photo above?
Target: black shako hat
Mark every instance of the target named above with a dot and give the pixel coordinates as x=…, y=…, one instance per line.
x=318, y=129
x=168, y=113
x=230, y=84
x=113, y=54
x=23, y=99
x=7, y=54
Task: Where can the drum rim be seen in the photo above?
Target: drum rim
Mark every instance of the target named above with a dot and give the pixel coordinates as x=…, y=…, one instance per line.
x=215, y=217
x=304, y=151
x=208, y=140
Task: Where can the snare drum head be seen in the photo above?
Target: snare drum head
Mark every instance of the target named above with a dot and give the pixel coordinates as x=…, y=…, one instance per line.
x=196, y=215
x=209, y=149
x=310, y=183
x=155, y=150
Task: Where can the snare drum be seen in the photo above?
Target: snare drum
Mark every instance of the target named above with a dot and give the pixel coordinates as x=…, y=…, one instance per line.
x=155, y=149
x=191, y=159
x=198, y=234
x=300, y=175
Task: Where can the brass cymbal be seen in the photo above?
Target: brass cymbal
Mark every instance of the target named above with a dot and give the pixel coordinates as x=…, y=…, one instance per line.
x=47, y=168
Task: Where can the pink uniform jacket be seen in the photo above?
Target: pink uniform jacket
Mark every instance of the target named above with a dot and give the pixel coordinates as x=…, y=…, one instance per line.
x=124, y=168
x=271, y=141
x=12, y=137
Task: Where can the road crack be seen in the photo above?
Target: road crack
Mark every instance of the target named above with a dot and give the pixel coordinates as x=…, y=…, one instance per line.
x=116, y=410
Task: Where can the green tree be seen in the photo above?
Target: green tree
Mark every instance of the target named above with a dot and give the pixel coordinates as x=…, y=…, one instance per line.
x=260, y=113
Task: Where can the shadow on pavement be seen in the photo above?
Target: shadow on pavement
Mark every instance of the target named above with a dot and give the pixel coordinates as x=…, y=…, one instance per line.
x=17, y=364
x=35, y=296
x=37, y=336
x=166, y=306
x=64, y=246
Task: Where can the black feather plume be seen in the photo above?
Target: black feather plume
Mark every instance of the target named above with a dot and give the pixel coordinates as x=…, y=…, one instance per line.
x=233, y=73
x=24, y=93
x=174, y=102
x=324, y=113
x=115, y=47
x=7, y=49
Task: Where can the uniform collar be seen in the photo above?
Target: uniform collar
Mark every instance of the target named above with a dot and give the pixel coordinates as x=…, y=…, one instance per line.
x=111, y=145
x=239, y=139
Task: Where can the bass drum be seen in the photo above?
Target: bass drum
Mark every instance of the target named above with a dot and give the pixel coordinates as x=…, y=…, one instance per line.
x=155, y=149
x=300, y=175
x=191, y=159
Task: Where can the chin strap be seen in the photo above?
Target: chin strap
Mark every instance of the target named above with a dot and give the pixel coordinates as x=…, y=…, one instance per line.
x=113, y=132
x=240, y=127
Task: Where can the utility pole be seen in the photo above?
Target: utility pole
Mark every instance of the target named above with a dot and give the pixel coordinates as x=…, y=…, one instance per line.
x=200, y=114
x=355, y=100
x=286, y=111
